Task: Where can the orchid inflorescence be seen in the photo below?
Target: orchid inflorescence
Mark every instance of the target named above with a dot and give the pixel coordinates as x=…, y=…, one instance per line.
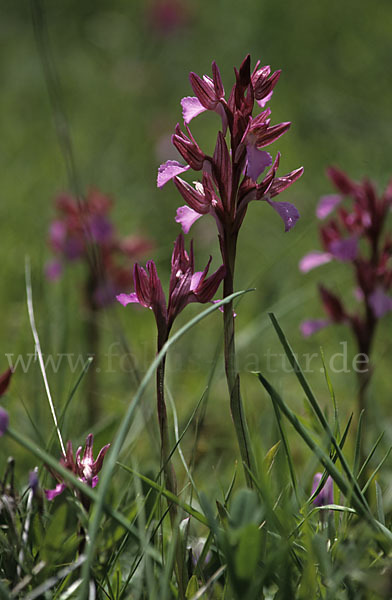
x=230, y=177
x=186, y=286
x=82, y=466
x=83, y=231
x=355, y=236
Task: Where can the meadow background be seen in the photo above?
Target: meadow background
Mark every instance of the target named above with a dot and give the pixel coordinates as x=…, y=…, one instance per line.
x=122, y=77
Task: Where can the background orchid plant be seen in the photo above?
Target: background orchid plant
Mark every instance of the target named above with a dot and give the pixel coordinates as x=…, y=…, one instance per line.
x=357, y=236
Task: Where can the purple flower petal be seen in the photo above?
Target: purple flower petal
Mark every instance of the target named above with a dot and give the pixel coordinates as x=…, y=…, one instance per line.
x=73, y=248
x=186, y=217
x=264, y=100
x=4, y=421
x=325, y=495
x=222, y=308
x=94, y=481
x=168, y=170
x=345, y=250
x=326, y=205
x=50, y=494
x=380, y=303
x=287, y=212
x=125, y=299
x=57, y=234
x=101, y=229
x=53, y=269
x=311, y=326
x=258, y=161
x=191, y=107
x=33, y=481
x=195, y=280
x=314, y=259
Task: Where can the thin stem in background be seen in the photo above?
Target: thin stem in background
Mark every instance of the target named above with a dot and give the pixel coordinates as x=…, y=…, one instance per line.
x=38, y=350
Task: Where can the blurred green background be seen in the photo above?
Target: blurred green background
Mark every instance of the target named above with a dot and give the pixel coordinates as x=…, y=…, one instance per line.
x=122, y=73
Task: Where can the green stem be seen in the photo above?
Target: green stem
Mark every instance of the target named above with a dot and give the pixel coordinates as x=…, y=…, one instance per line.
x=170, y=478
x=232, y=376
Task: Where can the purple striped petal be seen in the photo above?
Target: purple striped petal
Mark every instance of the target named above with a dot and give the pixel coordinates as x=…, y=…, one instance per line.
x=258, y=161
x=311, y=326
x=168, y=170
x=264, y=100
x=345, y=250
x=287, y=212
x=125, y=299
x=186, y=217
x=4, y=421
x=191, y=107
x=50, y=494
x=380, y=303
x=314, y=259
x=327, y=204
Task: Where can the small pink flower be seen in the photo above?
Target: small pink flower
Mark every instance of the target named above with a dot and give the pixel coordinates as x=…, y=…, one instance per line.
x=84, y=467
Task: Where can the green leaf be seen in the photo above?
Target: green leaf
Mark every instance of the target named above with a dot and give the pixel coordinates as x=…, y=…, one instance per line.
x=380, y=506
x=169, y=495
x=192, y=587
x=358, y=442
x=376, y=470
x=270, y=456
x=248, y=551
x=245, y=509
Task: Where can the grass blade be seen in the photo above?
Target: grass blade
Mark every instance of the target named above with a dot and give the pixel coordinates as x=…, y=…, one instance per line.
x=325, y=460
x=317, y=410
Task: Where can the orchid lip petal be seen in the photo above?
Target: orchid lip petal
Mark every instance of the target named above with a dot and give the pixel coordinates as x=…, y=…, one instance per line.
x=314, y=259
x=53, y=269
x=258, y=161
x=380, y=303
x=311, y=326
x=191, y=107
x=51, y=494
x=125, y=299
x=168, y=170
x=326, y=205
x=287, y=212
x=186, y=216
x=345, y=250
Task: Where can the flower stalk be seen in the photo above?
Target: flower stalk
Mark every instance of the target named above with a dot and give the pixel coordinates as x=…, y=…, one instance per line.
x=232, y=376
